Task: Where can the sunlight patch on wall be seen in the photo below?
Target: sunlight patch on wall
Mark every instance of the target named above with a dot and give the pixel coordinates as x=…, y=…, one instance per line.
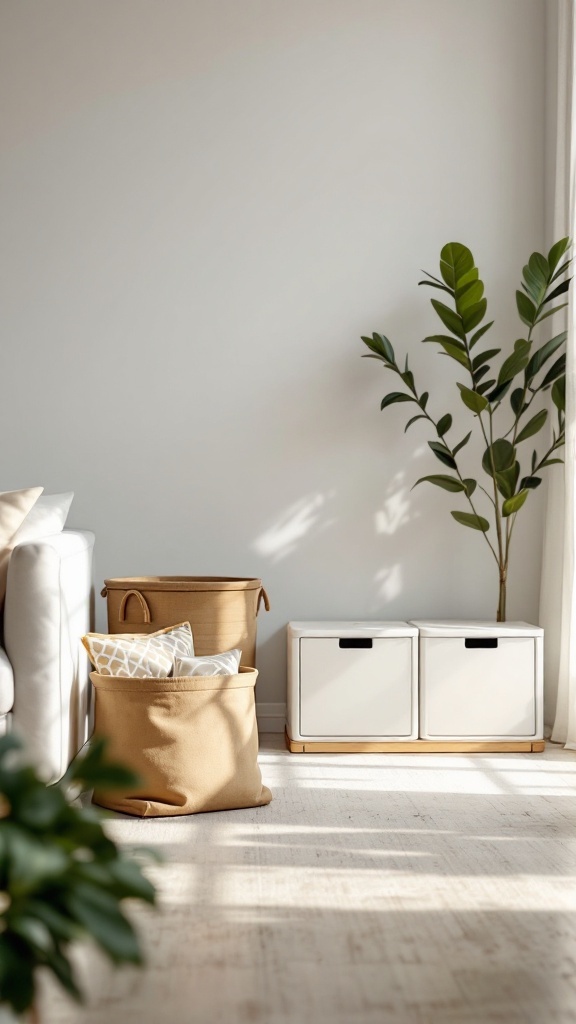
x=389, y=582
x=299, y=521
x=396, y=507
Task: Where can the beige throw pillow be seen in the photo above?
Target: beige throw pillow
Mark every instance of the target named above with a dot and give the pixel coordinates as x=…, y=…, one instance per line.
x=141, y=654
x=47, y=517
x=14, y=507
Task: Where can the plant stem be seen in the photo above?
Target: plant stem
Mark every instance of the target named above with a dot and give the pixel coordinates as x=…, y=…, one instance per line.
x=502, y=557
x=501, y=613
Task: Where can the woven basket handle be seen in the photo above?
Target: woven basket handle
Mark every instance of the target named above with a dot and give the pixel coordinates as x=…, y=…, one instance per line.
x=143, y=605
x=263, y=596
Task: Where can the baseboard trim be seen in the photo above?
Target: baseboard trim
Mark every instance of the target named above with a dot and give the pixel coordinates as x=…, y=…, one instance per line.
x=414, y=747
x=271, y=716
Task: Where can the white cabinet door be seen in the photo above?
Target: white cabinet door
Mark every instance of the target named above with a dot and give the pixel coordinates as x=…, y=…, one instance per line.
x=352, y=691
x=477, y=691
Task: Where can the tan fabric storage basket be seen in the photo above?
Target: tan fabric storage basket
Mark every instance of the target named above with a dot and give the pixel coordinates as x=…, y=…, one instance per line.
x=193, y=742
x=221, y=610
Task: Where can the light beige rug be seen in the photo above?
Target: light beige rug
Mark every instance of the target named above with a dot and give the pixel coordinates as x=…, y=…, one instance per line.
x=375, y=889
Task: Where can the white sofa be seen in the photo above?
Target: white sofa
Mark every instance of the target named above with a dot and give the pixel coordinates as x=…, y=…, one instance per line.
x=44, y=674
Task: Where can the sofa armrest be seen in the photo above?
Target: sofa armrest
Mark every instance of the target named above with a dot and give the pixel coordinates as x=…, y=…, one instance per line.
x=49, y=601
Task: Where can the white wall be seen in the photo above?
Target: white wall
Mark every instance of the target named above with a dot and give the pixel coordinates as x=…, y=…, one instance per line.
x=205, y=203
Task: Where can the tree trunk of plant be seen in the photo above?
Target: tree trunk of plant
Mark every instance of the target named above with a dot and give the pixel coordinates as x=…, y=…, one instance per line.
x=501, y=614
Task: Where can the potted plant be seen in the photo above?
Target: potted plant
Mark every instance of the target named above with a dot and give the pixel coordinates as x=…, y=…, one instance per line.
x=501, y=667
x=61, y=878
x=522, y=377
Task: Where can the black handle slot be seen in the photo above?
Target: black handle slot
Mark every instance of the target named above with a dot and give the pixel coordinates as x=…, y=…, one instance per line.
x=355, y=641
x=481, y=641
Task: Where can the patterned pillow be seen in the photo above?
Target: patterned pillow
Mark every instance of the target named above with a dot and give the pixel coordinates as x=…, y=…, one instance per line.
x=140, y=654
x=225, y=664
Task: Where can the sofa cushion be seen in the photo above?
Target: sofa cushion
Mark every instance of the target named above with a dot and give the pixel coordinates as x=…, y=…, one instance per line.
x=14, y=507
x=6, y=684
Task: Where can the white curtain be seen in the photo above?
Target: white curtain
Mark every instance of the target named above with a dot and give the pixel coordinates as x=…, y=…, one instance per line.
x=558, y=596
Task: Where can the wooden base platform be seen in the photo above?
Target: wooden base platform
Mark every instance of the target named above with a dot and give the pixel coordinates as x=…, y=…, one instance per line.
x=416, y=747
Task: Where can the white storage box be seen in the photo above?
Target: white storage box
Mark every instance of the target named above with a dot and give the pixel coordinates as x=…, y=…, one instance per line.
x=352, y=681
x=480, y=680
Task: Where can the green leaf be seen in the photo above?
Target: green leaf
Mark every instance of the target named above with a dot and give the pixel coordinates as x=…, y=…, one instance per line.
x=526, y=308
x=423, y=399
x=34, y=932
x=535, y=285
x=468, y=294
x=62, y=970
x=99, y=914
x=31, y=862
x=61, y=927
x=382, y=340
x=556, y=252
x=499, y=391
x=473, y=521
x=507, y=479
x=380, y=346
x=39, y=808
x=542, y=354
x=476, y=337
x=456, y=262
x=16, y=974
x=474, y=315
x=472, y=400
x=533, y=426
x=484, y=357
x=516, y=361
x=376, y=350
x=433, y=284
x=484, y=386
x=517, y=400
x=461, y=443
x=435, y=279
x=557, y=368
x=442, y=453
x=408, y=379
x=413, y=420
x=394, y=397
x=468, y=276
x=551, y=312
x=559, y=290
x=501, y=453
x=455, y=350
x=470, y=486
x=538, y=265
x=449, y=318
x=561, y=270
x=133, y=884
x=559, y=393
x=552, y=462
x=531, y=482
x=513, y=504
x=478, y=374
x=449, y=483
x=442, y=339
x=444, y=424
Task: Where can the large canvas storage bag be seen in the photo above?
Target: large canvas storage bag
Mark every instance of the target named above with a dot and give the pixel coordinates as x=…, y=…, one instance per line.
x=221, y=610
x=193, y=742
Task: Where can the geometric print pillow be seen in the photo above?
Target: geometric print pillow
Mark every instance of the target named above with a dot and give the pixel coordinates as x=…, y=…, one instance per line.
x=225, y=664
x=137, y=655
